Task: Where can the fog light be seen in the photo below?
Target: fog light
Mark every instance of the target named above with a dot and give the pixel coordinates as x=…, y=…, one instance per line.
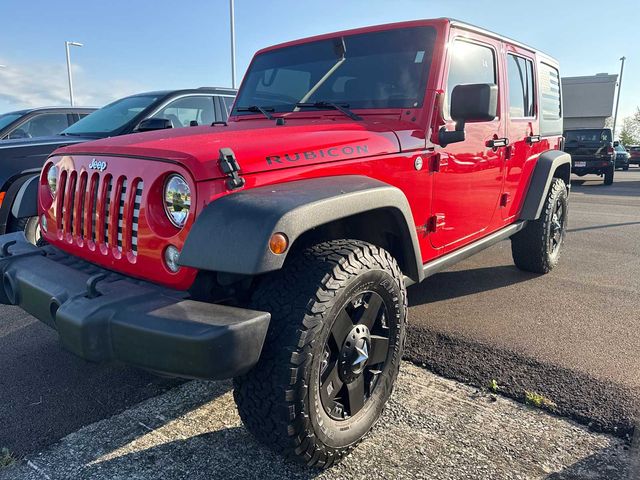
x=278, y=243
x=43, y=222
x=171, y=257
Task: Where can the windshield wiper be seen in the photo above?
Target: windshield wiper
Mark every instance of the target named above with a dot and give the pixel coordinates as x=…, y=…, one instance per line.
x=257, y=109
x=344, y=108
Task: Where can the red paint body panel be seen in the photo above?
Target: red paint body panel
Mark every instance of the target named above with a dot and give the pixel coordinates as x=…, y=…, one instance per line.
x=476, y=191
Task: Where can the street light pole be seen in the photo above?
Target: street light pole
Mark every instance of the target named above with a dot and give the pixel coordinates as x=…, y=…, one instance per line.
x=615, y=115
x=233, y=43
x=66, y=46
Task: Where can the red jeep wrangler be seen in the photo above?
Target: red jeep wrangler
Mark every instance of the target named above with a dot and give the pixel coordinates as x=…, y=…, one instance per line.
x=276, y=248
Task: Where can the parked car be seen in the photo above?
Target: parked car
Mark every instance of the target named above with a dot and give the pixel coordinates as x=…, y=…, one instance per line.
x=591, y=151
x=622, y=157
x=39, y=122
x=276, y=249
x=634, y=154
x=21, y=159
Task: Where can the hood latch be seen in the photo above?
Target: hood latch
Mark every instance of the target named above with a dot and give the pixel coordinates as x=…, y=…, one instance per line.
x=230, y=167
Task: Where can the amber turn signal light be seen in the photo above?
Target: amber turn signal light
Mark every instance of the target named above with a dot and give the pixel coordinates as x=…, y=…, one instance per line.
x=278, y=243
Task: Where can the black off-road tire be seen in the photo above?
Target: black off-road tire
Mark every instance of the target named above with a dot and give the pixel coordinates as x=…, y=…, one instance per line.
x=608, y=176
x=31, y=228
x=279, y=401
x=530, y=247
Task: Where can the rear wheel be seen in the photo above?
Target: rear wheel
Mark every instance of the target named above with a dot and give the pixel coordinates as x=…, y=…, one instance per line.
x=332, y=353
x=536, y=248
x=608, y=176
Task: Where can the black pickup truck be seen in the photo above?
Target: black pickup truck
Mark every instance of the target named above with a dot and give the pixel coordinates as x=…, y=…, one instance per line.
x=591, y=151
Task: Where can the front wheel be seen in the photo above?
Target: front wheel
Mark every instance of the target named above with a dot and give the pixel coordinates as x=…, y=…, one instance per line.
x=332, y=352
x=536, y=248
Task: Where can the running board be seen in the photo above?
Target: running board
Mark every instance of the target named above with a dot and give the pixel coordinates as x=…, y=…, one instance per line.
x=456, y=256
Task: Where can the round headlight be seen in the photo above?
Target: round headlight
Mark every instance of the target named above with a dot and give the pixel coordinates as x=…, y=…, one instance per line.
x=52, y=179
x=177, y=200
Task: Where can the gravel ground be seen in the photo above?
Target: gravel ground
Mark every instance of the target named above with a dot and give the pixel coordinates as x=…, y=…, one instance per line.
x=432, y=428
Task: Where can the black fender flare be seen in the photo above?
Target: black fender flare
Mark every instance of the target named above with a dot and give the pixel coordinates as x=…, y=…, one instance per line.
x=20, y=199
x=232, y=233
x=548, y=164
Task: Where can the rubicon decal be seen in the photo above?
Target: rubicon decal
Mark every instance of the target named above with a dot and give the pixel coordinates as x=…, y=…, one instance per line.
x=328, y=153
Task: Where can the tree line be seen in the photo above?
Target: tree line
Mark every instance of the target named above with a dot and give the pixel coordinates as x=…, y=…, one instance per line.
x=630, y=131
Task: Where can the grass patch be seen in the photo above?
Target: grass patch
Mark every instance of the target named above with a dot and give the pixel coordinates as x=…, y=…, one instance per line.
x=493, y=386
x=539, y=401
x=6, y=457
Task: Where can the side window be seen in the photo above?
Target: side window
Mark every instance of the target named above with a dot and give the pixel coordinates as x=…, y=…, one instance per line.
x=183, y=111
x=469, y=63
x=42, y=126
x=550, y=100
x=521, y=89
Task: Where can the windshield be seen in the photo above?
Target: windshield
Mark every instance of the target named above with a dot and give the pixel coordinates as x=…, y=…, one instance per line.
x=620, y=148
x=111, y=117
x=7, y=118
x=387, y=69
x=588, y=136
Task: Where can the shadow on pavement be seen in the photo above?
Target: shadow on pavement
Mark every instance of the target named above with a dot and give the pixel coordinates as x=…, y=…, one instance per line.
x=47, y=393
x=593, y=466
x=619, y=188
x=459, y=283
x=205, y=456
x=598, y=227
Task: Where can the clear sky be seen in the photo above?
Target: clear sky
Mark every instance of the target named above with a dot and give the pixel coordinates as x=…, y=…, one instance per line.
x=138, y=45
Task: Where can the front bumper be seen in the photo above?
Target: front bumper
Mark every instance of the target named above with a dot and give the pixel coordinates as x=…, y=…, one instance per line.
x=104, y=316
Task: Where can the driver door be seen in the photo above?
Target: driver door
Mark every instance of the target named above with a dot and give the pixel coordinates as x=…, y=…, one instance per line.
x=468, y=184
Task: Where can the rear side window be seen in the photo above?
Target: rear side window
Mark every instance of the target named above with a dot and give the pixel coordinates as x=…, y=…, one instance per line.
x=470, y=63
x=550, y=101
x=521, y=89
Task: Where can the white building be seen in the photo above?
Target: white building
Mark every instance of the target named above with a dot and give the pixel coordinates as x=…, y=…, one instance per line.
x=588, y=101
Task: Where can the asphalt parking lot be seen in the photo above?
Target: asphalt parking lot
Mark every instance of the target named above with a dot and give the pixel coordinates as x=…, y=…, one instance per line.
x=571, y=336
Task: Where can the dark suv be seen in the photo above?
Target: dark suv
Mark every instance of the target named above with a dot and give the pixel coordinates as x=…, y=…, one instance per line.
x=622, y=157
x=22, y=159
x=591, y=151
x=39, y=122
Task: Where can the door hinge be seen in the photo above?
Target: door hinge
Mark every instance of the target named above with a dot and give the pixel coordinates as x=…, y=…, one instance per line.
x=436, y=222
x=504, y=199
x=230, y=167
x=437, y=161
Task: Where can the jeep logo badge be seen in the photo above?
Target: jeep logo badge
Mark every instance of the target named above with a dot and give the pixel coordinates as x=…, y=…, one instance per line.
x=97, y=165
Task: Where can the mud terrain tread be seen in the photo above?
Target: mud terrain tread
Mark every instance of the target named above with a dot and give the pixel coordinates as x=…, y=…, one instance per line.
x=272, y=398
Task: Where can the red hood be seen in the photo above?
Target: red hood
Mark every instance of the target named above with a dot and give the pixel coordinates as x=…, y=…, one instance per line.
x=259, y=145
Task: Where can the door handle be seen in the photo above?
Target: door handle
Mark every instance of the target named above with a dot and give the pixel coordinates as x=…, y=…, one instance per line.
x=497, y=142
x=533, y=139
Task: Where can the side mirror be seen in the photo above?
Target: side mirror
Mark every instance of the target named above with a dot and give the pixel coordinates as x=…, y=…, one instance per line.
x=150, y=124
x=474, y=102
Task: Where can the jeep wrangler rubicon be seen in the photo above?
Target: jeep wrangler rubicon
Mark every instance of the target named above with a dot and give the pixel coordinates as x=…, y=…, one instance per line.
x=276, y=248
